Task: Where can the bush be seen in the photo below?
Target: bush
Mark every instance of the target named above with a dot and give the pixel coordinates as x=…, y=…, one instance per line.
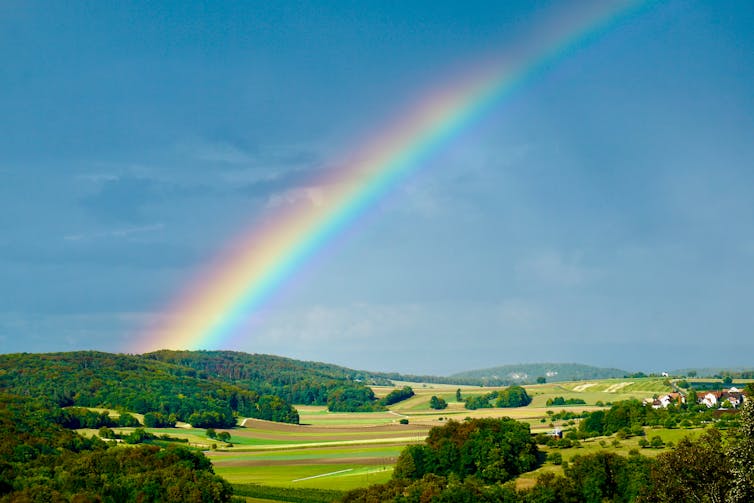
x=437, y=403
x=126, y=420
x=403, y=421
x=555, y=458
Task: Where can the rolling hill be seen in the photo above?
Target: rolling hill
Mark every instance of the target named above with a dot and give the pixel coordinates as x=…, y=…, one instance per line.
x=529, y=372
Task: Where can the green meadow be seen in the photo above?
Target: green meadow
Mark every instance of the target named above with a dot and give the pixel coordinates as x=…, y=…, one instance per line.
x=342, y=451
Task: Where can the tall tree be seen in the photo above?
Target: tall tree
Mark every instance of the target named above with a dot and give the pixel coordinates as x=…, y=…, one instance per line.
x=741, y=454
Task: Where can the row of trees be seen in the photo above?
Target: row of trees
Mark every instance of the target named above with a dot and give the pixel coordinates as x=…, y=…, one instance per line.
x=514, y=396
x=78, y=417
x=559, y=400
x=397, y=395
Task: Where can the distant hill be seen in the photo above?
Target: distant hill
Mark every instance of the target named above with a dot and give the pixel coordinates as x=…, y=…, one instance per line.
x=529, y=372
x=740, y=372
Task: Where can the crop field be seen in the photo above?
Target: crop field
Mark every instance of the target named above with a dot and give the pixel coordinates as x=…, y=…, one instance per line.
x=343, y=451
x=330, y=451
x=347, y=450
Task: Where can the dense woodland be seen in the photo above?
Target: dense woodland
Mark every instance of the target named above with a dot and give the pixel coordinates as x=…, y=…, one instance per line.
x=294, y=381
x=126, y=382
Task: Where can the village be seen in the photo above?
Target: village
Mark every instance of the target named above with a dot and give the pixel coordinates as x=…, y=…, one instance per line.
x=730, y=398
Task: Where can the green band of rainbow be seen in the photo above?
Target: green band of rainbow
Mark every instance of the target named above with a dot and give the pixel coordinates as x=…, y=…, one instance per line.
x=208, y=313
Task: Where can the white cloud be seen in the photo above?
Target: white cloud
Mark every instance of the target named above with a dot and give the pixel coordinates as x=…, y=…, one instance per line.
x=312, y=195
x=115, y=233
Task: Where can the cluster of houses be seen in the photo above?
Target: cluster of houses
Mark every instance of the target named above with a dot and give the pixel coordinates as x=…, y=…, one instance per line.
x=727, y=398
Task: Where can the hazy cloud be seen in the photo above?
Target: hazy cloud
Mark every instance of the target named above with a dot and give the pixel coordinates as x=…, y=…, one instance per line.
x=555, y=269
x=115, y=233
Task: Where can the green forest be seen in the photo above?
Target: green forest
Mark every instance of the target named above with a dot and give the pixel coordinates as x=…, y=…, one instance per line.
x=207, y=388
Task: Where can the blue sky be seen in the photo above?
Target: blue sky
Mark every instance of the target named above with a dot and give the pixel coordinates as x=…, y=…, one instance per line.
x=603, y=213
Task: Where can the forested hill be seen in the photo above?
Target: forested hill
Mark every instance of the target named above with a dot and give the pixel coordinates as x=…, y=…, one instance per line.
x=135, y=383
x=255, y=368
x=182, y=383
x=295, y=380
x=529, y=372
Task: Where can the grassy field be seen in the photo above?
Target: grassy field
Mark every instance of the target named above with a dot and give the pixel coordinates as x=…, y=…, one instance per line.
x=343, y=451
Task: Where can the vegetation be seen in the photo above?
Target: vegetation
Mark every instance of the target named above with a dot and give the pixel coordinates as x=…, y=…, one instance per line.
x=42, y=461
x=559, y=400
x=94, y=379
x=292, y=381
x=495, y=450
x=397, y=395
x=353, y=399
x=638, y=442
x=437, y=403
x=554, y=372
x=631, y=415
x=514, y=396
x=289, y=494
x=708, y=468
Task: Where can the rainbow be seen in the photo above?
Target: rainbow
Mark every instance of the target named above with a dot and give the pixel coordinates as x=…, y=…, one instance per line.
x=263, y=258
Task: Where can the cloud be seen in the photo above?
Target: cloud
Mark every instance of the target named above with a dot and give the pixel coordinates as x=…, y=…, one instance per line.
x=115, y=233
x=314, y=196
x=218, y=152
x=122, y=198
x=553, y=268
x=98, y=178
